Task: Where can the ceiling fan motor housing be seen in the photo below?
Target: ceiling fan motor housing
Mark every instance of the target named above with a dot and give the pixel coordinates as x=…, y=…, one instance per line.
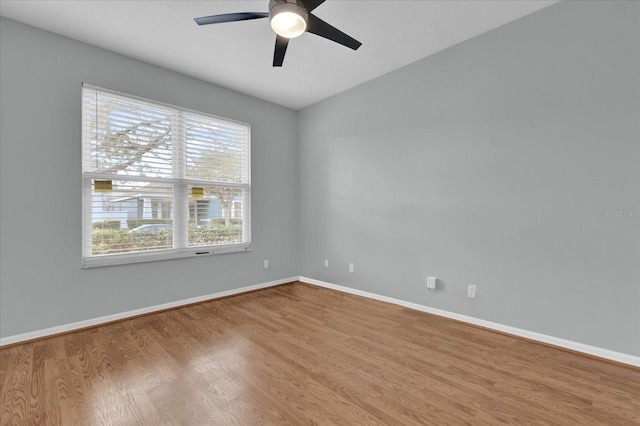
x=293, y=6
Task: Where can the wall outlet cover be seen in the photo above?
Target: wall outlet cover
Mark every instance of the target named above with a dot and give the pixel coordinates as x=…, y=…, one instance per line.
x=471, y=291
x=432, y=283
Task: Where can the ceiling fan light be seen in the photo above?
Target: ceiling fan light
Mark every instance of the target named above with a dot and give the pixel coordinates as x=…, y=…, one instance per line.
x=288, y=24
x=288, y=19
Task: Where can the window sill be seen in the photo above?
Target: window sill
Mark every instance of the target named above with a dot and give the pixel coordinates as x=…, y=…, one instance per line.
x=156, y=255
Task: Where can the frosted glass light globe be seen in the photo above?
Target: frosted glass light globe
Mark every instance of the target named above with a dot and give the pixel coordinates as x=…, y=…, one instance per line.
x=288, y=24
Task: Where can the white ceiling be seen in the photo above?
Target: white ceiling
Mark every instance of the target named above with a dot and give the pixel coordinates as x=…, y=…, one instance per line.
x=239, y=55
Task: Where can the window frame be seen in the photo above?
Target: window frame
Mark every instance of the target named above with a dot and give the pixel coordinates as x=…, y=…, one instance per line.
x=180, y=197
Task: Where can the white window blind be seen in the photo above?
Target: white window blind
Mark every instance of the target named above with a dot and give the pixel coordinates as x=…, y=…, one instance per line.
x=161, y=181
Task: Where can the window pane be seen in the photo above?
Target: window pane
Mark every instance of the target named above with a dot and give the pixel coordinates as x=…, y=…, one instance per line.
x=139, y=158
x=130, y=217
x=216, y=215
x=217, y=150
x=126, y=137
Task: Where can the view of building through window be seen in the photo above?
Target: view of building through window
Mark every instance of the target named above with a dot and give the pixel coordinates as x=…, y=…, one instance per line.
x=157, y=177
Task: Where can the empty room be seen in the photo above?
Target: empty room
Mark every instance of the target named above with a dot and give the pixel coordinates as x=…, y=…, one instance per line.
x=291, y=212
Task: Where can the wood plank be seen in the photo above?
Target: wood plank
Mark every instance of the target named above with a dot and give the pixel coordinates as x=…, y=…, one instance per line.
x=297, y=354
x=14, y=405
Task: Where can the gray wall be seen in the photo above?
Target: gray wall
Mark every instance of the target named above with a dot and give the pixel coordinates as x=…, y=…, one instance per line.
x=41, y=283
x=491, y=163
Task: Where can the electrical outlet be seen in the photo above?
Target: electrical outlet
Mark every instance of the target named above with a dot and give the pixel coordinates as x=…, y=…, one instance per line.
x=351, y=267
x=432, y=283
x=471, y=291
x=326, y=263
x=266, y=264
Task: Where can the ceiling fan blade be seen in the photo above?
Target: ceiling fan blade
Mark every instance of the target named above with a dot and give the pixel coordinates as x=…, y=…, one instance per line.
x=312, y=4
x=317, y=26
x=230, y=17
x=280, y=50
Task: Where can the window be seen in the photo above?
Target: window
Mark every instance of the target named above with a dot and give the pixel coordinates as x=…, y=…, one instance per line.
x=160, y=181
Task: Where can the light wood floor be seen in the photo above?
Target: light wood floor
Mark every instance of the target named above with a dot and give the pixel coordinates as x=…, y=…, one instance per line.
x=298, y=354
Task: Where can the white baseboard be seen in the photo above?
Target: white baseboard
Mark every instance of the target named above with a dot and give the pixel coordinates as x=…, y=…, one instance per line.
x=65, y=328
x=568, y=344
x=555, y=341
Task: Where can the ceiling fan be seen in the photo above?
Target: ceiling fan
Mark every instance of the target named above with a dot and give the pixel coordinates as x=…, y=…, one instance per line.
x=289, y=19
